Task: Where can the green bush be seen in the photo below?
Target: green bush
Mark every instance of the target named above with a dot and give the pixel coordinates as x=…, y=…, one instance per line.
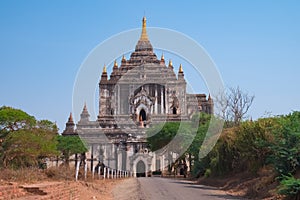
x=207, y=173
x=285, y=148
x=158, y=172
x=290, y=187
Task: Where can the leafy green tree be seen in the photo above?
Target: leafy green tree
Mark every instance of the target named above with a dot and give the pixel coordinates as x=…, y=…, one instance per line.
x=241, y=148
x=162, y=137
x=285, y=146
x=12, y=119
x=70, y=145
x=183, y=138
x=24, y=141
x=47, y=125
x=159, y=136
x=192, y=152
x=25, y=148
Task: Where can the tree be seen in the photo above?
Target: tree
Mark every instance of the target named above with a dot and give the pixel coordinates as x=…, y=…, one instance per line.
x=239, y=103
x=47, y=125
x=25, y=148
x=70, y=145
x=162, y=137
x=192, y=152
x=285, y=146
x=182, y=138
x=159, y=137
x=12, y=119
x=24, y=141
x=233, y=105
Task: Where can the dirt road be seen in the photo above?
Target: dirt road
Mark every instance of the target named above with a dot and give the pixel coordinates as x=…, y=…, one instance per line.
x=166, y=189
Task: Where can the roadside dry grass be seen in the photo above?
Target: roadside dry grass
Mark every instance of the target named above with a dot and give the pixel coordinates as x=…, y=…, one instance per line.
x=26, y=175
x=247, y=185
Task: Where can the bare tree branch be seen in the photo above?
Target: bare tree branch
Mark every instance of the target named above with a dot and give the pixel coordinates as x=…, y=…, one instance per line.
x=233, y=105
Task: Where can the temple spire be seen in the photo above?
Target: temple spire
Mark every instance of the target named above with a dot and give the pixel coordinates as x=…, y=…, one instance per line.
x=123, y=58
x=162, y=60
x=103, y=79
x=70, y=118
x=70, y=127
x=180, y=69
x=84, y=116
x=84, y=107
x=115, y=63
x=209, y=98
x=180, y=73
x=144, y=35
x=170, y=64
x=104, y=69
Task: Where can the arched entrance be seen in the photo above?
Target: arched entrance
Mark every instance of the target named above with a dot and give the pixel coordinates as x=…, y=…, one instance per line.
x=143, y=116
x=140, y=169
x=174, y=111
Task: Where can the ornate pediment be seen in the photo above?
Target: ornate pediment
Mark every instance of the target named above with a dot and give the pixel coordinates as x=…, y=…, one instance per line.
x=143, y=98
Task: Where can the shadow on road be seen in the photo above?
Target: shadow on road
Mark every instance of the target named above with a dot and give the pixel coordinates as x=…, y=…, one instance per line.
x=195, y=185
x=224, y=196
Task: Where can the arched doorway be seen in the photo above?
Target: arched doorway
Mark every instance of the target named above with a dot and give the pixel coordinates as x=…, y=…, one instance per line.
x=143, y=115
x=174, y=111
x=140, y=169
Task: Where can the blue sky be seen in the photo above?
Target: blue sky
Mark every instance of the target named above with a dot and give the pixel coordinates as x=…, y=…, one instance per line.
x=255, y=45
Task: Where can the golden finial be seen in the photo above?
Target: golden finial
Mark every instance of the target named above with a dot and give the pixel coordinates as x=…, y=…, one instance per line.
x=104, y=69
x=180, y=69
x=162, y=56
x=170, y=63
x=123, y=59
x=144, y=35
x=115, y=63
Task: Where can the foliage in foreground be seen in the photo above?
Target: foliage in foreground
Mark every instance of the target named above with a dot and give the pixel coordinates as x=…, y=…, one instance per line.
x=182, y=138
x=248, y=147
x=27, y=142
x=290, y=187
x=24, y=148
x=70, y=145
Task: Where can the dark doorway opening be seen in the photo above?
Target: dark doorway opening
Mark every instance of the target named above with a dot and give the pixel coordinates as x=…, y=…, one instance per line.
x=174, y=111
x=140, y=169
x=143, y=115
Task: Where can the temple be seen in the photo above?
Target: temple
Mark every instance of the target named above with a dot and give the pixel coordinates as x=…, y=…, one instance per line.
x=138, y=94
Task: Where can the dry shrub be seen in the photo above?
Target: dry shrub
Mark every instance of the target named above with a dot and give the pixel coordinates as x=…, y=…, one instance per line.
x=264, y=184
x=31, y=175
x=60, y=173
x=23, y=175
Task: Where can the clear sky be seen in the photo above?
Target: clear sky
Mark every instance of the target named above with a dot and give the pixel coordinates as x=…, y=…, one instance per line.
x=255, y=45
